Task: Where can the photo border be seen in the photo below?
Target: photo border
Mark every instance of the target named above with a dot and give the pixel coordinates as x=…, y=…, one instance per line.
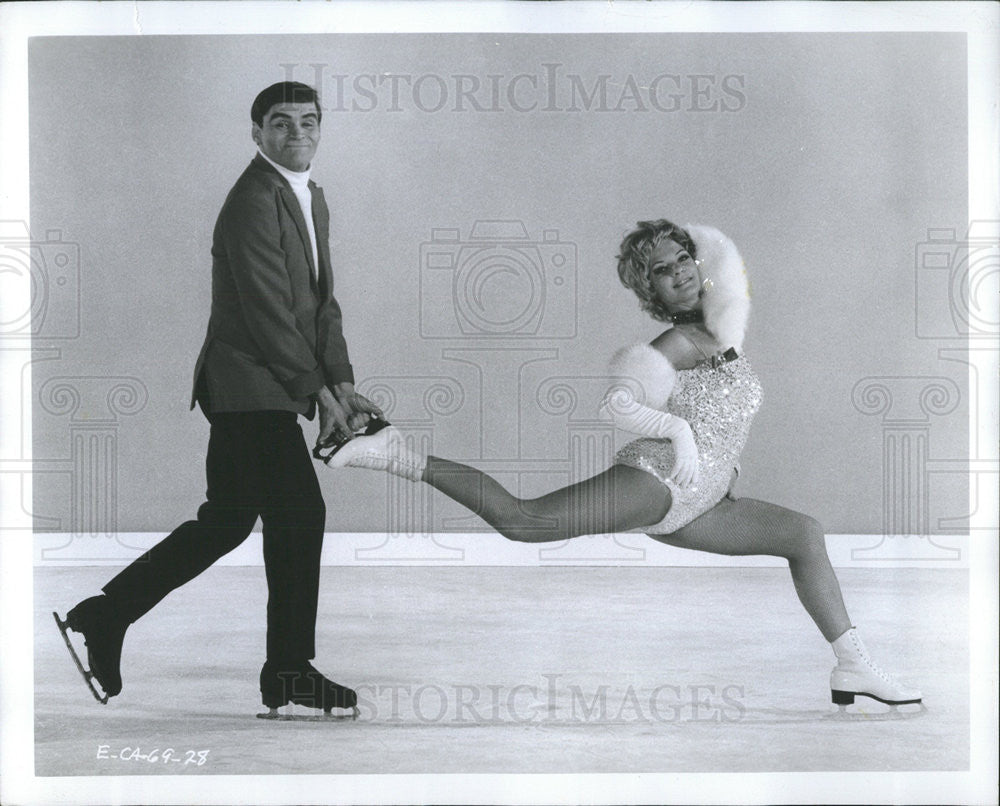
x=20, y=21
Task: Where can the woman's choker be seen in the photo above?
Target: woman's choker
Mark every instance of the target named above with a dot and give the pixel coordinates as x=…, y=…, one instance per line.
x=692, y=317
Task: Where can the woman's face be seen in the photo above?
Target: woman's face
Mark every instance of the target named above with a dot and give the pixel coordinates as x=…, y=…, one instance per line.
x=675, y=277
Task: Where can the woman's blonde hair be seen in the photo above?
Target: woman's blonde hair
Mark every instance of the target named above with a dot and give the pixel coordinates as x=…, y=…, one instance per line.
x=633, y=260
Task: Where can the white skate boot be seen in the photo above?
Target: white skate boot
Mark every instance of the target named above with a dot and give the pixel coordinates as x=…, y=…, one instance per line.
x=385, y=450
x=857, y=674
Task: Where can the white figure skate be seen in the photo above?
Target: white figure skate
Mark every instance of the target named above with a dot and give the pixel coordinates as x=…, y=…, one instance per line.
x=857, y=675
x=379, y=448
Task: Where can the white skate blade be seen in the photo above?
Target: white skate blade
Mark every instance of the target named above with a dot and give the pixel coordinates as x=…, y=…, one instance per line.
x=275, y=715
x=874, y=711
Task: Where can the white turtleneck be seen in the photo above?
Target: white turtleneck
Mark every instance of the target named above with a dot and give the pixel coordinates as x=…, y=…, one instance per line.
x=299, y=180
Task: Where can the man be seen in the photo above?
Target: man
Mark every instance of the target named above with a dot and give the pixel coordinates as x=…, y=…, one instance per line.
x=274, y=350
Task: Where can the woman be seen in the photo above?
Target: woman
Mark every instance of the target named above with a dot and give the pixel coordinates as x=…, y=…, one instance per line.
x=690, y=396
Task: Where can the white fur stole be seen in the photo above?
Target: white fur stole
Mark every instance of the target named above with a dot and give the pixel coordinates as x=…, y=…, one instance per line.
x=726, y=301
x=646, y=371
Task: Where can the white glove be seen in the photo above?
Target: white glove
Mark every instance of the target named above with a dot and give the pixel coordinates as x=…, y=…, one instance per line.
x=632, y=416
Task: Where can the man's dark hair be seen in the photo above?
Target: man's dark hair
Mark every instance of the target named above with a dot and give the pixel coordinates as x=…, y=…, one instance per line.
x=284, y=92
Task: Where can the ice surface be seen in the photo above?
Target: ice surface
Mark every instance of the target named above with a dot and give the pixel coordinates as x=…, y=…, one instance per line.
x=474, y=669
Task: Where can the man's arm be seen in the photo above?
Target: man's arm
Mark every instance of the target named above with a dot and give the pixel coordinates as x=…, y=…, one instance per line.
x=331, y=347
x=251, y=237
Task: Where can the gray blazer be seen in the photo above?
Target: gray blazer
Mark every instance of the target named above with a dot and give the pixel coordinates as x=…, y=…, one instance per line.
x=275, y=333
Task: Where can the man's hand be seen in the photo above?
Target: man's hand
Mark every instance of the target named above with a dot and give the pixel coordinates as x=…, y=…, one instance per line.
x=358, y=408
x=332, y=417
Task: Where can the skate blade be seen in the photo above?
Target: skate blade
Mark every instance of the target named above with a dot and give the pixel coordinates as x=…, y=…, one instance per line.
x=863, y=712
x=88, y=676
x=275, y=715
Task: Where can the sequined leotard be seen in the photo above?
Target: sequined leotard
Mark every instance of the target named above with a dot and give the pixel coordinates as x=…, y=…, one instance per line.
x=719, y=403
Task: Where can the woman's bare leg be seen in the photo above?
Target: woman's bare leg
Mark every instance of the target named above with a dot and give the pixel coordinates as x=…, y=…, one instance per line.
x=745, y=526
x=616, y=500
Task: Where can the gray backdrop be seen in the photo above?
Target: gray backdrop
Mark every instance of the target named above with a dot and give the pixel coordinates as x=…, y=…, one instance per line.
x=837, y=163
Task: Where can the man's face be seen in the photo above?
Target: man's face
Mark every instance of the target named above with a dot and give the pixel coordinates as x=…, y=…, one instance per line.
x=289, y=135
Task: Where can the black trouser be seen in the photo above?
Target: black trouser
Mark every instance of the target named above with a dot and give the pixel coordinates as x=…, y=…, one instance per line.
x=258, y=465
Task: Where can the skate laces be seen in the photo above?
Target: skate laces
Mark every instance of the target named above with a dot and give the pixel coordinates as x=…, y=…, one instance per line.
x=392, y=454
x=371, y=460
x=874, y=667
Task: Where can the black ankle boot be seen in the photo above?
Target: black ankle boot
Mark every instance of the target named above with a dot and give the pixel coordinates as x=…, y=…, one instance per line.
x=299, y=683
x=103, y=631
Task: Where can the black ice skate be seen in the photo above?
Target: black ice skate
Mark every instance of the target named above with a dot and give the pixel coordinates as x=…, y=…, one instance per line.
x=300, y=684
x=103, y=633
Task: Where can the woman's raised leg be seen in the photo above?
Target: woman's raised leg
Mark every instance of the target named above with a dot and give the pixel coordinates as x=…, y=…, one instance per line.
x=619, y=499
